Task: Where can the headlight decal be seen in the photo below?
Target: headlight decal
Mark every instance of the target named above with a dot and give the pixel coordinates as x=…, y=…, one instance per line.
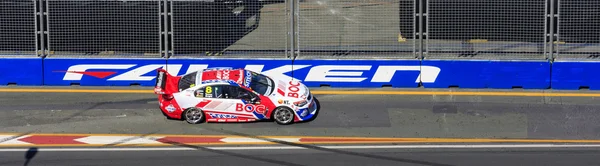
x=300, y=103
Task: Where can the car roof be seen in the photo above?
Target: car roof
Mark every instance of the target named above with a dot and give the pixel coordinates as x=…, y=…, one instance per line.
x=222, y=75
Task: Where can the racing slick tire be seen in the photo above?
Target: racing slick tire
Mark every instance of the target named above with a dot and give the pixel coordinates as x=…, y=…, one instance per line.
x=283, y=116
x=193, y=115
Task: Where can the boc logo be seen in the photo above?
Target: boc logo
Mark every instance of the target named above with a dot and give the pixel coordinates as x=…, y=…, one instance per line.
x=261, y=109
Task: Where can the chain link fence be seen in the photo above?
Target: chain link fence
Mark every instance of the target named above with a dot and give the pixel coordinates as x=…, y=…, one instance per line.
x=245, y=28
x=17, y=27
x=356, y=29
x=491, y=29
x=578, y=30
x=314, y=29
x=104, y=28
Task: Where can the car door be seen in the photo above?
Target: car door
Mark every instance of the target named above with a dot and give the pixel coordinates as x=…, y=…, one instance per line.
x=243, y=100
x=212, y=98
x=223, y=103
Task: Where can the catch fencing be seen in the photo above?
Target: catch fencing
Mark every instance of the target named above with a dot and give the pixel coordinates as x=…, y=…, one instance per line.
x=302, y=29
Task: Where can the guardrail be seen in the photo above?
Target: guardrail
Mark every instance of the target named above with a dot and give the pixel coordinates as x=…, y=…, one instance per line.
x=340, y=43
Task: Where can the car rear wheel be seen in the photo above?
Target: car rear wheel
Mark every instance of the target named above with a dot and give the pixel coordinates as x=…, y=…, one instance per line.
x=193, y=116
x=283, y=116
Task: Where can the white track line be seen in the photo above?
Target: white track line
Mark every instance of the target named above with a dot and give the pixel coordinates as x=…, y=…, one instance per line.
x=328, y=147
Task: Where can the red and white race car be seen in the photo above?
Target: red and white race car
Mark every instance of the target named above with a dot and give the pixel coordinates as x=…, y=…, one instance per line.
x=233, y=95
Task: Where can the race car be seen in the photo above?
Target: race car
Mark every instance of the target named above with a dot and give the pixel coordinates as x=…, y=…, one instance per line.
x=233, y=95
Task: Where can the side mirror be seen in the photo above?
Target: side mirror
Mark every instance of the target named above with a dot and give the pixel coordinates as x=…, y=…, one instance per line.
x=255, y=100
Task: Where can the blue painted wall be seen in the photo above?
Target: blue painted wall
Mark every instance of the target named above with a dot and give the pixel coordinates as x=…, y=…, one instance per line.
x=21, y=71
x=571, y=75
x=490, y=74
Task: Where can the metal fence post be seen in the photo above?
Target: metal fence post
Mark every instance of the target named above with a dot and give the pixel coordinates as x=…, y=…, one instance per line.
x=557, y=35
x=546, y=31
x=170, y=29
x=417, y=29
x=288, y=29
x=41, y=31
x=296, y=33
x=36, y=13
x=161, y=30
x=551, y=53
x=47, y=27
x=165, y=30
x=292, y=30
x=425, y=14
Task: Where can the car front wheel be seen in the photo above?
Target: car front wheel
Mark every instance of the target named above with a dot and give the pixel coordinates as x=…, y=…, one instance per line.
x=283, y=116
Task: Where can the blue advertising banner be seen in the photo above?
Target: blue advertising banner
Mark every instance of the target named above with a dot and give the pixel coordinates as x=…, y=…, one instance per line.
x=101, y=72
x=335, y=73
x=489, y=74
x=21, y=71
x=573, y=75
x=313, y=73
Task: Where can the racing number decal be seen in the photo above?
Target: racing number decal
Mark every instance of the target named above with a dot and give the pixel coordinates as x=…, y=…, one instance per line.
x=250, y=108
x=208, y=89
x=208, y=92
x=293, y=90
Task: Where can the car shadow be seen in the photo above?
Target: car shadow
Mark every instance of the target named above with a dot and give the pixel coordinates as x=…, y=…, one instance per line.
x=29, y=155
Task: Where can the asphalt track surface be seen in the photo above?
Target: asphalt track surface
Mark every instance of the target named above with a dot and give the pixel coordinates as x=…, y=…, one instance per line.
x=315, y=156
x=379, y=115
x=383, y=113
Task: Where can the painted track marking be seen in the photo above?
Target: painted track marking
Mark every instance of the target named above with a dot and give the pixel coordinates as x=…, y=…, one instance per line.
x=99, y=140
x=327, y=147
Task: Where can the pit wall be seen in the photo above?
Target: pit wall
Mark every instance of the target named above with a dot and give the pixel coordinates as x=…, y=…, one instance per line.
x=496, y=74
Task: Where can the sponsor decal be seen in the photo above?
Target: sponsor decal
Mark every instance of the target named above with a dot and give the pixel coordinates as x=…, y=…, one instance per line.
x=281, y=101
x=248, y=79
x=261, y=109
x=293, y=88
x=280, y=88
x=223, y=74
x=220, y=81
x=317, y=73
x=159, y=79
x=222, y=116
x=171, y=108
x=304, y=112
x=216, y=68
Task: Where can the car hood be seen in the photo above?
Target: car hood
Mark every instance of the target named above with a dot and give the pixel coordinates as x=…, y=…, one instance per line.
x=288, y=89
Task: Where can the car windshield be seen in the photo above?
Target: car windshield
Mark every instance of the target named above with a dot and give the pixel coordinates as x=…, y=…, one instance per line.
x=187, y=81
x=261, y=84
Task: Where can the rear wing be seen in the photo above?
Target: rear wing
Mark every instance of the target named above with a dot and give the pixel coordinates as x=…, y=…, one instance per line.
x=165, y=83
